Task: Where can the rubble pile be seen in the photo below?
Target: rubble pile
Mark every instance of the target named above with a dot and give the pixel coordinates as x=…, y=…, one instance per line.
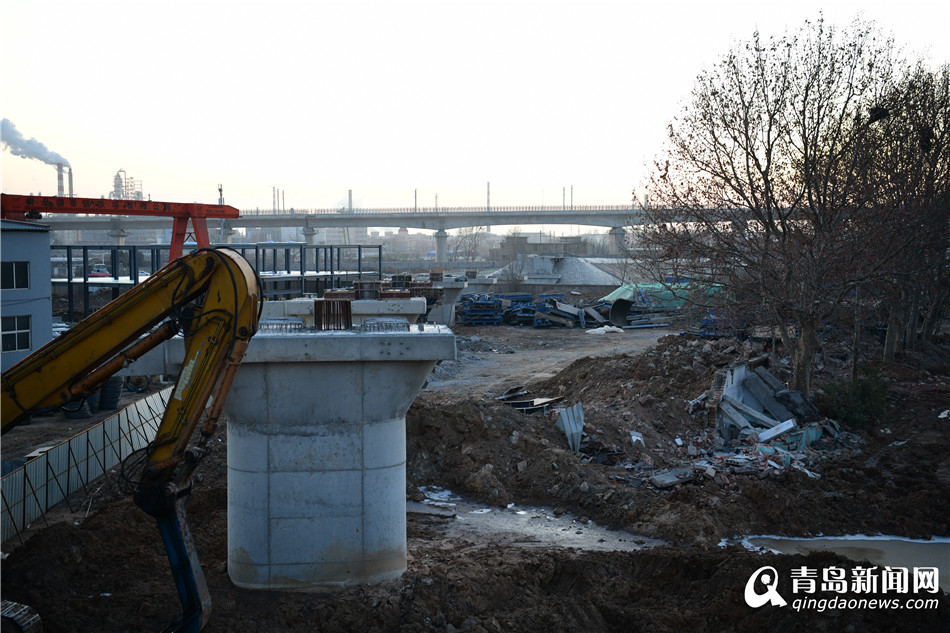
x=744, y=423
x=644, y=448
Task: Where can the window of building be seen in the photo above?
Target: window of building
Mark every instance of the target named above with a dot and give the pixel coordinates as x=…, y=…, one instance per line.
x=14, y=275
x=16, y=333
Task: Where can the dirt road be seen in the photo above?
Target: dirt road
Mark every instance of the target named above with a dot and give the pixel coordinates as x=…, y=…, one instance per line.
x=492, y=357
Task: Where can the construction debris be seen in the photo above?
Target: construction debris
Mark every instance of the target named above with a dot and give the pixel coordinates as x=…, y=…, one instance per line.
x=571, y=421
x=750, y=424
x=642, y=305
x=541, y=311
x=744, y=401
x=514, y=399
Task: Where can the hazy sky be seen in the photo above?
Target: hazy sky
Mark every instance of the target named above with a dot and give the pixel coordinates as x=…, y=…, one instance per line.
x=383, y=98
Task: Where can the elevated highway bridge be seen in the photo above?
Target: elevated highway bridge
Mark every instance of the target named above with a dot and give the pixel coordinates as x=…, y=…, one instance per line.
x=438, y=219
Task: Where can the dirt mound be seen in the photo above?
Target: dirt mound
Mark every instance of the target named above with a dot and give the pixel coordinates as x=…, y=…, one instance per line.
x=867, y=480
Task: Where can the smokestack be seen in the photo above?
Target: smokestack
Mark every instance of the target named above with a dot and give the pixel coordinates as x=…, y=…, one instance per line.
x=351, y=198
x=70, y=182
x=59, y=181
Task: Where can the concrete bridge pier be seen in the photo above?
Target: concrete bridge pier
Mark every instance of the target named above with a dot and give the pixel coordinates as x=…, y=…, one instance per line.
x=227, y=232
x=317, y=455
x=617, y=244
x=441, y=246
x=118, y=233
x=309, y=234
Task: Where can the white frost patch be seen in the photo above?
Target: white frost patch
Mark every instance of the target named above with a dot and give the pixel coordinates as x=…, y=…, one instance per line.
x=439, y=497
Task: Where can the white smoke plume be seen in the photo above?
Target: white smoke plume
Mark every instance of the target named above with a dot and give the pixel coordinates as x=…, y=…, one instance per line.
x=24, y=148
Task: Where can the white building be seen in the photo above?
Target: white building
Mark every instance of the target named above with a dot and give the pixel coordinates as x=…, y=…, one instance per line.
x=26, y=308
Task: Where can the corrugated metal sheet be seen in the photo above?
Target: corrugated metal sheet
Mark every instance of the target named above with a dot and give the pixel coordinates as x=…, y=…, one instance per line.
x=571, y=421
x=29, y=491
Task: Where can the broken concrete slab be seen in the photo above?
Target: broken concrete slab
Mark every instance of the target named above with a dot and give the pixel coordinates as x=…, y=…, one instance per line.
x=757, y=416
x=733, y=416
x=672, y=477
x=765, y=397
x=777, y=430
x=773, y=383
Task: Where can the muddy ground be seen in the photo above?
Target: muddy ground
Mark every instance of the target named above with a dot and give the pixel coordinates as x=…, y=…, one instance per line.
x=108, y=572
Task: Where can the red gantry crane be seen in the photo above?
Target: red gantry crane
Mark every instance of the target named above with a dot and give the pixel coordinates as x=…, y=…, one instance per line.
x=14, y=207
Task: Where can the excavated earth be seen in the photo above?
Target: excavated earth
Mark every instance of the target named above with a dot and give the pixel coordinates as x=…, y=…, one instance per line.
x=108, y=572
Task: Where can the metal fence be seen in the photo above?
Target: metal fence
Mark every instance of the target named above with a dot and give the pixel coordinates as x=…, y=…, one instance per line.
x=29, y=491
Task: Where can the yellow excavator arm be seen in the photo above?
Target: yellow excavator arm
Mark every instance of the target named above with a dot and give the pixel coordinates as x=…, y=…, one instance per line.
x=212, y=296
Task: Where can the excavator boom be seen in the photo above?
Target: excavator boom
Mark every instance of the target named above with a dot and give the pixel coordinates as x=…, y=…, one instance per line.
x=212, y=296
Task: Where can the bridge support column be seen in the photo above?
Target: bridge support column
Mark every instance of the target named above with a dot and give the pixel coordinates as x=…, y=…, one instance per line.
x=118, y=234
x=226, y=232
x=441, y=246
x=617, y=243
x=309, y=234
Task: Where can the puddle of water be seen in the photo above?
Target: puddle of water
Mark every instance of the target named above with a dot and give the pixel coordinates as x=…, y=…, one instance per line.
x=524, y=526
x=878, y=550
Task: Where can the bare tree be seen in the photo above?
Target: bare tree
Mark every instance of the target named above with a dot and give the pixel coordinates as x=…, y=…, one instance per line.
x=765, y=198
x=513, y=277
x=914, y=183
x=466, y=243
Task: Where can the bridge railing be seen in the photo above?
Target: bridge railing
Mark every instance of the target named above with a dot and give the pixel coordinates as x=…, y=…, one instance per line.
x=443, y=210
